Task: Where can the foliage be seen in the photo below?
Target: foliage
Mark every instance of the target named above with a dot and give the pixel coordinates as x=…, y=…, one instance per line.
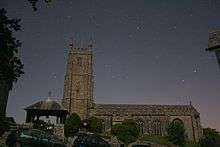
x=72, y=125
x=4, y=126
x=126, y=132
x=192, y=144
x=95, y=125
x=176, y=133
x=11, y=67
x=211, y=138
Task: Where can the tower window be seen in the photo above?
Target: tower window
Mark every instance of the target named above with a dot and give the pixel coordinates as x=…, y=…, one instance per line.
x=79, y=61
x=77, y=92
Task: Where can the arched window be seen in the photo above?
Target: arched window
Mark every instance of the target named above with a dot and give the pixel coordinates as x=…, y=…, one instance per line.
x=177, y=120
x=147, y=126
x=140, y=125
x=157, y=130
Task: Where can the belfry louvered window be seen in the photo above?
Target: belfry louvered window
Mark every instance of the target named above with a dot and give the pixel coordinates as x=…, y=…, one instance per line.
x=79, y=61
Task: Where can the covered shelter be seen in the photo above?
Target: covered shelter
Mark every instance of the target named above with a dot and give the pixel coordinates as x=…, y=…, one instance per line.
x=46, y=108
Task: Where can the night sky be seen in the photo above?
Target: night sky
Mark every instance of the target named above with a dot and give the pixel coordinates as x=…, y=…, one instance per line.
x=145, y=51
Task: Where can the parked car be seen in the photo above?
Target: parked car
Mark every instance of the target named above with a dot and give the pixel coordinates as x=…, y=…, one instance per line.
x=90, y=140
x=32, y=138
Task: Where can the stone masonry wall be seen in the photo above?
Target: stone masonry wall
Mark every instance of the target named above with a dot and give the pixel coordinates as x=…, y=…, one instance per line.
x=78, y=84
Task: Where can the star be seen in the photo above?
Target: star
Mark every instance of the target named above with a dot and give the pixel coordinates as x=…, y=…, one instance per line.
x=157, y=57
x=92, y=19
x=130, y=35
x=108, y=67
x=172, y=28
x=69, y=17
x=196, y=69
x=54, y=76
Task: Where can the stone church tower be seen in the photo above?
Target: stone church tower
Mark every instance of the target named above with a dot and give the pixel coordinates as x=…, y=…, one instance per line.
x=78, y=82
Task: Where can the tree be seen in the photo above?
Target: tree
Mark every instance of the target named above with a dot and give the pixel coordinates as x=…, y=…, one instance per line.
x=4, y=126
x=10, y=65
x=126, y=132
x=211, y=138
x=72, y=125
x=176, y=132
x=133, y=126
x=95, y=125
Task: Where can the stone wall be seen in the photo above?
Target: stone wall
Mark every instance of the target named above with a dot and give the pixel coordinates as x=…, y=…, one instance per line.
x=59, y=130
x=151, y=119
x=78, y=83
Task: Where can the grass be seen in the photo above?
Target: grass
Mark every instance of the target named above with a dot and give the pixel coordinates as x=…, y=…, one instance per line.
x=192, y=144
x=163, y=141
x=156, y=139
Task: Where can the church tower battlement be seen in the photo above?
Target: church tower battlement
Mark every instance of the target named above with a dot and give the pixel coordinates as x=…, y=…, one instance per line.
x=78, y=82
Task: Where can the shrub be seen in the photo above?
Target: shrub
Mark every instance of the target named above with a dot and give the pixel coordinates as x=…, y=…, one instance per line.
x=176, y=133
x=95, y=125
x=126, y=132
x=72, y=125
x=211, y=138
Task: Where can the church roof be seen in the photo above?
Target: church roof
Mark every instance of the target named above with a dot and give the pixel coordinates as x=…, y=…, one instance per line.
x=46, y=105
x=129, y=109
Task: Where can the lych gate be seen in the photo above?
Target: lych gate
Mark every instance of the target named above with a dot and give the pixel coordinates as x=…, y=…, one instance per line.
x=46, y=108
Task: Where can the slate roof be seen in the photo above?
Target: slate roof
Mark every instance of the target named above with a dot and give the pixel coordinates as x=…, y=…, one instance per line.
x=46, y=105
x=129, y=109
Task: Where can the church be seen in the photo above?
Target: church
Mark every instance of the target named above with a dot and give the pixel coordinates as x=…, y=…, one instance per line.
x=151, y=119
x=78, y=98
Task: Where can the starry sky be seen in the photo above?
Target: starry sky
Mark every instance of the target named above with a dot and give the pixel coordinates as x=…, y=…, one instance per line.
x=145, y=51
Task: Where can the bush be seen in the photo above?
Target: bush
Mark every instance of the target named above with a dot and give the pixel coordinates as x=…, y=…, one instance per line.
x=176, y=133
x=126, y=132
x=95, y=125
x=211, y=138
x=72, y=125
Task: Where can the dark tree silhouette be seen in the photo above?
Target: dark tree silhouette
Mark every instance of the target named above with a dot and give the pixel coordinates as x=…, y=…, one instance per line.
x=10, y=65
